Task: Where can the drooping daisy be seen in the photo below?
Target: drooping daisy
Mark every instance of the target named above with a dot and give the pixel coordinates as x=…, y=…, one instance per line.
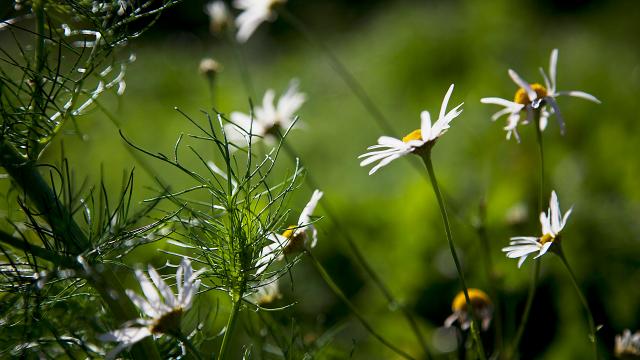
x=219, y=16
x=627, y=345
x=389, y=148
x=269, y=120
x=266, y=293
x=162, y=309
x=552, y=223
x=303, y=234
x=481, y=305
x=254, y=13
x=530, y=97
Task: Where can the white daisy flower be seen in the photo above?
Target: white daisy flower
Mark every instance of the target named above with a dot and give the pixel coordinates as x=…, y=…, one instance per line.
x=481, y=305
x=530, y=97
x=389, y=148
x=303, y=234
x=627, y=345
x=162, y=309
x=219, y=16
x=268, y=120
x=266, y=293
x=254, y=13
x=552, y=223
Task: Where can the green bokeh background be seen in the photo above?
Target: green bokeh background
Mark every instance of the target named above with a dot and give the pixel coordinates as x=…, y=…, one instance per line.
x=406, y=54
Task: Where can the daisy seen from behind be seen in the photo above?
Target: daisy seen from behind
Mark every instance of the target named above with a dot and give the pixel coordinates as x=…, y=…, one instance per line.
x=269, y=121
x=389, y=149
x=300, y=236
x=162, y=309
x=552, y=224
x=534, y=97
x=254, y=13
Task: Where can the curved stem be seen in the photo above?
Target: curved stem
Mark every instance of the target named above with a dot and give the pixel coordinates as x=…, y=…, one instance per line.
x=336, y=290
x=491, y=277
x=341, y=70
x=72, y=239
x=527, y=308
x=475, y=333
x=231, y=324
x=344, y=230
x=583, y=300
x=536, y=267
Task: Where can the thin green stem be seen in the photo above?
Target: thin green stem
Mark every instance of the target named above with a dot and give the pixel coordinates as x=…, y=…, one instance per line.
x=341, y=70
x=243, y=68
x=583, y=300
x=536, y=267
x=426, y=157
x=490, y=274
x=38, y=92
x=336, y=290
x=231, y=324
x=344, y=230
x=541, y=154
x=25, y=173
x=527, y=308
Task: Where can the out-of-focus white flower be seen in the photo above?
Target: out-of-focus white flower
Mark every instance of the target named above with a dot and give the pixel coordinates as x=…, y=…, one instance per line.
x=219, y=16
x=269, y=120
x=530, y=97
x=627, y=345
x=162, y=309
x=266, y=293
x=389, y=148
x=303, y=234
x=254, y=13
x=552, y=223
x=481, y=305
x=209, y=68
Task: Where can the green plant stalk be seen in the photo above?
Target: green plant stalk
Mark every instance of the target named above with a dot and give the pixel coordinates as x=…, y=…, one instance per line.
x=527, y=308
x=336, y=290
x=40, y=55
x=592, y=327
x=475, y=333
x=231, y=324
x=536, y=267
x=491, y=278
x=313, y=184
x=25, y=174
x=341, y=70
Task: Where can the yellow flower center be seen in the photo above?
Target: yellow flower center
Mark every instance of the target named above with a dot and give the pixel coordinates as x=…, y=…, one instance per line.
x=546, y=238
x=521, y=95
x=479, y=299
x=168, y=322
x=296, y=241
x=414, y=135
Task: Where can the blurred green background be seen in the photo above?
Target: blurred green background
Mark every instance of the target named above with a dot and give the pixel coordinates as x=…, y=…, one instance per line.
x=406, y=54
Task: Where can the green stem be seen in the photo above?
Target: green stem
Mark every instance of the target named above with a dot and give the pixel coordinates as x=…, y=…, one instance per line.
x=491, y=277
x=536, y=267
x=65, y=230
x=426, y=157
x=231, y=324
x=583, y=300
x=344, y=230
x=336, y=290
x=527, y=308
x=341, y=70
x=38, y=92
